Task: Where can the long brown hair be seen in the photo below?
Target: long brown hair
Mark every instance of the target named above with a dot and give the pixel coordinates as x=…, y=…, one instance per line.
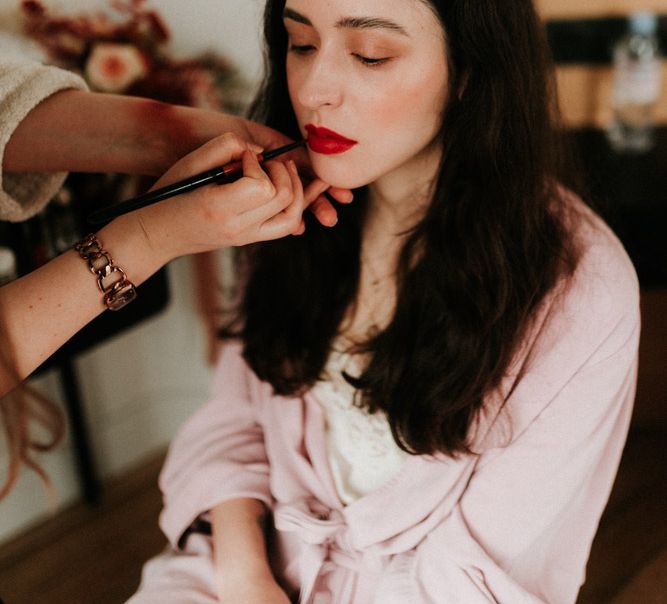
x=22, y=410
x=491, y=245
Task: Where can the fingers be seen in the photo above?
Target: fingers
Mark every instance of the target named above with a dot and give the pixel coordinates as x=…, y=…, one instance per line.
x=319, y=205
x=302, y=160
x=341, y=195
x=290, y=220
x=250, y=193
x=324, y=211
x=270, y=199
x=314, y=190
x=300, y=202
x=319, y=198
x=217, y=152
x=252, y=169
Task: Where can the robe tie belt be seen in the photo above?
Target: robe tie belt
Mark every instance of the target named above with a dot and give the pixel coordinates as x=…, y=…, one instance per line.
x=322, y=533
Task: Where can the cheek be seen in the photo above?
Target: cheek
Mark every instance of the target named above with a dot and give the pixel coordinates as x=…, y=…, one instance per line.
x=393, y=117
x=390, y=109
x=407, y=116
x=292, y=86
x=411, y=102
x=296, y=76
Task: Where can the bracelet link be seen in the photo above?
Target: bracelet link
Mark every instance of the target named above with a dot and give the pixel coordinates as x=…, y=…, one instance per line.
x=98, y=268
x=88, y=247
x=118, y=293
x=116, y=299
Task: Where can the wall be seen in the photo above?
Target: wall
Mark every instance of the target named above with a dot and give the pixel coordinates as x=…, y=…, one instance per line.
x=569, y=9
x=226, y=26
x=141, y=386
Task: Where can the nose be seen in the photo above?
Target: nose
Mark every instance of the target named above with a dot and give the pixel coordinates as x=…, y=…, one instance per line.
x=321, y=83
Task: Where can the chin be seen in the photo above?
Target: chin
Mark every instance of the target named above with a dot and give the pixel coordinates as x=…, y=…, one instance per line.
x=340, y=174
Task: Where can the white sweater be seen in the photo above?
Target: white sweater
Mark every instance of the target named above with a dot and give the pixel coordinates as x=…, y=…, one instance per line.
x=23, y=86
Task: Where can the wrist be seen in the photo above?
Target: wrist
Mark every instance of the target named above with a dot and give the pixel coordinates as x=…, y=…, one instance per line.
x=179, y=130
x=239, y=541
x=117, y=290
x=132, y=247
x=248, y=570
x=160, y=135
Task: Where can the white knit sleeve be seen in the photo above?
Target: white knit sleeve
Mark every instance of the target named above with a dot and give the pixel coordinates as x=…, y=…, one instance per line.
x=22, y=87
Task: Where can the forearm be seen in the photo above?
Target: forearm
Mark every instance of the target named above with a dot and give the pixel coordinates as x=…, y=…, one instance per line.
x=78, y=131
x=43, y=309
x=239, y=541
x=74, y=130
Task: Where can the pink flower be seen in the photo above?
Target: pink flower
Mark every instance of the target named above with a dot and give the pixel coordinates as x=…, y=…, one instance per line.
x=114, y=67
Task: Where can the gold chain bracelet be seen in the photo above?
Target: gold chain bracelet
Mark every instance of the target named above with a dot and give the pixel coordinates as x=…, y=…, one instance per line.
x=118, y=291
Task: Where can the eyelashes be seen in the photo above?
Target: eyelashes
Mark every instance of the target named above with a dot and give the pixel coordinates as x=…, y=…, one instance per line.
x=306, y=49
x=370, y=62
x=301, y=49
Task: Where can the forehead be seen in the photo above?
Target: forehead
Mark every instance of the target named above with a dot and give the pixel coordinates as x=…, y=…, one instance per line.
x=412, y=16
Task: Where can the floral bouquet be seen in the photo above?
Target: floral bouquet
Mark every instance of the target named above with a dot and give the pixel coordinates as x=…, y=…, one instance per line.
x=125, y=53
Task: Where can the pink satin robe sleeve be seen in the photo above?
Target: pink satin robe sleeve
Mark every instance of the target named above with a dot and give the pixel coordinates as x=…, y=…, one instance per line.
x=221, y=446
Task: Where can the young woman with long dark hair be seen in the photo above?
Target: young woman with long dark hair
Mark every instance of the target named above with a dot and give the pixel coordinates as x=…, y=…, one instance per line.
x=427, y=403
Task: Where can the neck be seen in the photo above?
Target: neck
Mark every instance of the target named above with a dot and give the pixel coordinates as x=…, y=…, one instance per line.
x=398, y=200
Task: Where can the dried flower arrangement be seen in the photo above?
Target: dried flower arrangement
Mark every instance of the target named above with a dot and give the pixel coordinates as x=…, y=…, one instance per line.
x=125, y=52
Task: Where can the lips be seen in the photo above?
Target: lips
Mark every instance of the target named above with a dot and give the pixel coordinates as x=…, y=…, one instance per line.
x=327, y=142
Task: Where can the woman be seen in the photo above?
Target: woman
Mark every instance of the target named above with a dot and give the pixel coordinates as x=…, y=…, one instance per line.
x=429, y=402
x=51, y=124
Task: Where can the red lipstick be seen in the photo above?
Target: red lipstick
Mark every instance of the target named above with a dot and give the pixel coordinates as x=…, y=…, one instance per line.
x=327, y=142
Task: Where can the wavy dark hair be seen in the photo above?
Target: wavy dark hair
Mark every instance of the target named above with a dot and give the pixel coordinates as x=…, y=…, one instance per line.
x=492, y=244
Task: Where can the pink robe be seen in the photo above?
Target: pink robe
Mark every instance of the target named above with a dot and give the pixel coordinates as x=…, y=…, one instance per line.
x=511, y=525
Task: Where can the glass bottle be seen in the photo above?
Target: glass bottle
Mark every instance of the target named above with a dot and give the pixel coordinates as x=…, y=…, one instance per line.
x=636, y=86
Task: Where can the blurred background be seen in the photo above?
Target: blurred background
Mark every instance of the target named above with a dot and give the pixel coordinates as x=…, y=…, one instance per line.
x=126, y=395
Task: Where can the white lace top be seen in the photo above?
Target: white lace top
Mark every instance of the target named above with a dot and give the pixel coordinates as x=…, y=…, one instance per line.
x=362, y=452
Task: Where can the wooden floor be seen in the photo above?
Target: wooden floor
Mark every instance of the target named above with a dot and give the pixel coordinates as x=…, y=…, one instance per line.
x=86, y=555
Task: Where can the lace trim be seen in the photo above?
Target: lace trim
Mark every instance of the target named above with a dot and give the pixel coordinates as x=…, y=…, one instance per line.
x=362, y=452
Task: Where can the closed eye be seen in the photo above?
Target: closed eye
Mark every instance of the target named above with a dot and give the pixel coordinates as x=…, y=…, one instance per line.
x=371, y=62
x=304, y=49
x=301, y=49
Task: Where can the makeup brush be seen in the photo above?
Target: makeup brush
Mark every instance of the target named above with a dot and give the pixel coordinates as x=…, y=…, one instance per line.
x=228, y=173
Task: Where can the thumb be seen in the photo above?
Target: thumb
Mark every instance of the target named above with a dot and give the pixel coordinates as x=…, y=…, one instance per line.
x=252, y=170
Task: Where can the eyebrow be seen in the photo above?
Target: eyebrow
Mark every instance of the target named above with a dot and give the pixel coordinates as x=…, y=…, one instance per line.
x=350, y=22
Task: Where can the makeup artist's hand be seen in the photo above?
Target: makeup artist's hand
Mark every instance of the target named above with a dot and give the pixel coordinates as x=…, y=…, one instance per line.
x=268, y=138
x=186, y=128
x=266, y=203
